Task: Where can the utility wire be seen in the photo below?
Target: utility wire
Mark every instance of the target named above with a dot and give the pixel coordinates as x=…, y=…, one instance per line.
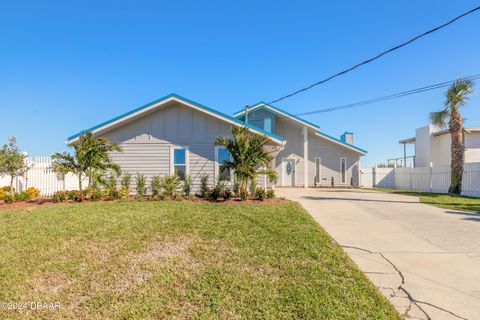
x=388, y=97
x=377, y=56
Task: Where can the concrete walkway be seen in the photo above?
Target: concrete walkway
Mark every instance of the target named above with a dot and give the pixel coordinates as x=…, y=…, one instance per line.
x=426, y=260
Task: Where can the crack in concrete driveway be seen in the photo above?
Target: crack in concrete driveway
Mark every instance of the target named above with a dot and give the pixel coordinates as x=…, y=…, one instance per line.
x=422, y=258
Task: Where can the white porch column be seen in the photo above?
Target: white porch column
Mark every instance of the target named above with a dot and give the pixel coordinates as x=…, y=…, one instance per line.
x=305, y=157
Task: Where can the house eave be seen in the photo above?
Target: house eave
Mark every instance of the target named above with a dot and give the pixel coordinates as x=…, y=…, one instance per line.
x=278, y=111
x=343, y=144
x=114, y=122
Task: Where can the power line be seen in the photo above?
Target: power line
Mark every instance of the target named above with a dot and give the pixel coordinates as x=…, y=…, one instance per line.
x=388, y=97
x=377, y=56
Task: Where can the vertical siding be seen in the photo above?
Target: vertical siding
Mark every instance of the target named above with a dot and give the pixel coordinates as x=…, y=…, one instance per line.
x=146, y=142
x=292, y=150
x=329, y=152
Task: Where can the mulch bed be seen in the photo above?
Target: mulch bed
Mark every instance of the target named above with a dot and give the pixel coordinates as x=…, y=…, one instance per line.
x=42, y=202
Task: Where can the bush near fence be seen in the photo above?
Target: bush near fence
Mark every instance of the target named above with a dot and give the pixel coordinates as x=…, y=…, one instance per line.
x=428, y=179
x=41, y=176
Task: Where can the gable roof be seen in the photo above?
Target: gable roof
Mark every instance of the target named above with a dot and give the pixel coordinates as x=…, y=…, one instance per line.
x=161, y=102
x=340, y=142
x=302, y=121
x=274, y=109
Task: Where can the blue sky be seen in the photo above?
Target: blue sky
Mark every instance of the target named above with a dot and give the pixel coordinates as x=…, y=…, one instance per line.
x=66, y=66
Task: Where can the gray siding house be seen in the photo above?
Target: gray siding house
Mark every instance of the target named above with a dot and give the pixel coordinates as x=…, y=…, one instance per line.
x=175, y=134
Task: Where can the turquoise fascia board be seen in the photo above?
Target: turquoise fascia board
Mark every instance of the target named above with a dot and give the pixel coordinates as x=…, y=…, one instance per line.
x=340, y=141
x=173, y=95
x=240, y=112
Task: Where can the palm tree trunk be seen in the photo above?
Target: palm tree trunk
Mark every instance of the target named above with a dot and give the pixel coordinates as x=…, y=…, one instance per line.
x=457, y=149
x=80, y=182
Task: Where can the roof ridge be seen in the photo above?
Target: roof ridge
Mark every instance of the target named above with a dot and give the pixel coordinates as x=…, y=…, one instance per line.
x=186, y=100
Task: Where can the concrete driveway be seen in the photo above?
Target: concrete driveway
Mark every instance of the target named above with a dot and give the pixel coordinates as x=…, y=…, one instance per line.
x=426, y=260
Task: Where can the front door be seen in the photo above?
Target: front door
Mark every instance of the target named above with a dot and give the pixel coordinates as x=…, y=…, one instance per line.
x=288, y=172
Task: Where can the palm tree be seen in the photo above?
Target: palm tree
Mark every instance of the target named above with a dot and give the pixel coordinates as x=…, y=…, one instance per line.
x=90, y=159
x=456, y=96
x=248, y=156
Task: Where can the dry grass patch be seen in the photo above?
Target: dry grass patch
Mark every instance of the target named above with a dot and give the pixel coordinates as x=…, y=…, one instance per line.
x=180, y=260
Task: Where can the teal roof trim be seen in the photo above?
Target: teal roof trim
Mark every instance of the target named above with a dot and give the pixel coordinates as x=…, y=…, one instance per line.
x=341, y=142
x=240, y=112
x=173, y=95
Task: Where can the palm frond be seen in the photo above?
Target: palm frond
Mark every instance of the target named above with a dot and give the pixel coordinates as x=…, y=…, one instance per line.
x=439, y=118
x=458, y=93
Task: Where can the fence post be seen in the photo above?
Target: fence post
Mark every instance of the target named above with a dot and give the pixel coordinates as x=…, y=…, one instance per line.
x=411, y=169
x=430, y=172
x=374, y=175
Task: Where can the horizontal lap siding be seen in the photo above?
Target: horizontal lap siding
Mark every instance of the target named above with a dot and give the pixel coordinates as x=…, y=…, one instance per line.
x=146, y=142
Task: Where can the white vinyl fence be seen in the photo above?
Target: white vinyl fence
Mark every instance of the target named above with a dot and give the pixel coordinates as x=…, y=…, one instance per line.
x=430, y=179
x=40, y=175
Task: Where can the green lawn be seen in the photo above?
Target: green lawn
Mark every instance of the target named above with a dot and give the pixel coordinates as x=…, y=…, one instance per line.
x=180, y=260
x=441, y=200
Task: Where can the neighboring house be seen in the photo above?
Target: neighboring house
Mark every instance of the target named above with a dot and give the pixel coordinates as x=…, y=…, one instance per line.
x=175, y=134
x=432, y=146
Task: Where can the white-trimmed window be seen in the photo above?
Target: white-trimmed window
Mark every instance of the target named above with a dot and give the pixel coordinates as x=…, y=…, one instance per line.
x=179, y=161
x=222, y=155
x=343, y=170
x=318, y=171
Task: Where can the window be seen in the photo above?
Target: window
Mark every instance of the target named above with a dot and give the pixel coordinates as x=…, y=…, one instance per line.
x=343, y=169
x=318, y=162
x=221, y=156
x=180, y=160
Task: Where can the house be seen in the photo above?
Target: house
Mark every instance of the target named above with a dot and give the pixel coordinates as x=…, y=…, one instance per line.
x=175, y=134
x=432, y=146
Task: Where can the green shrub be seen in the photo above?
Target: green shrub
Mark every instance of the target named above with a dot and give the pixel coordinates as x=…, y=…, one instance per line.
x=253, y=186
x=236, y=185
x=110, y=194
x=227, y=194
x=217, y=191
x=141, y=182
x=4, y=191
x=110, y=191
x=60, y=196
x=187, y=186
x=126, y=181
x=260, y=194
x=156, y=186
x=270, y=193
x=203, y=187
x=76, y=195
x=243, y=194
x=125, y=184
x=7, y=189
x=94, y=194
x=32, y=192
x=9, y=198
x=171, y=187
x=124, y=193
x=21, y=196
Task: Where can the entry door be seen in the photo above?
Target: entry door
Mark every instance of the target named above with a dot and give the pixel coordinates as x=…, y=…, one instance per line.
x=288, y=172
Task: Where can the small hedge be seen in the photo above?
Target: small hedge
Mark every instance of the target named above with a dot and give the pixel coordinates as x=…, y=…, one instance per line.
x=8, y=197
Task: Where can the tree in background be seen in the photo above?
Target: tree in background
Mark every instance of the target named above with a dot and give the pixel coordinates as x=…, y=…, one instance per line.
x=456, y=96
x=12, y=161
x=90, y=159
x=248, y=156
